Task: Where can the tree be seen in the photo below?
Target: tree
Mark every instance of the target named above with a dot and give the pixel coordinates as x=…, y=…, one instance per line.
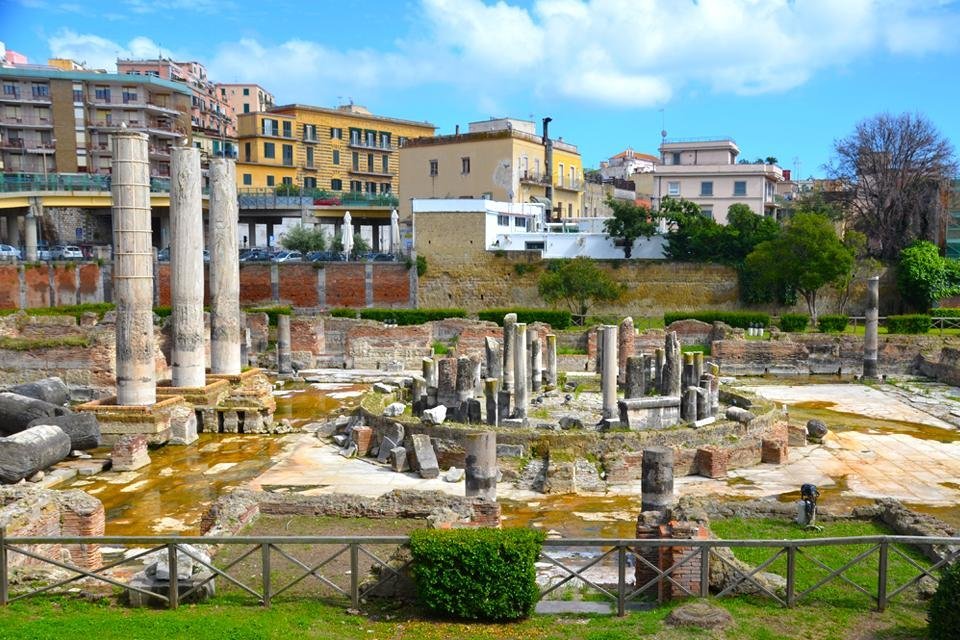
x=805, y=257
x=924, y=276
x=895, y=168
x=697, y=238
x=578, y=283
x=629, y=222
x=304, y=239
x=864, y=267
x=771, y=160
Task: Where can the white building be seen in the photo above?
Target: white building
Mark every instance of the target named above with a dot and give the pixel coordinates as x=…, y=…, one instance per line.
x=625, y=164
x=706, y=172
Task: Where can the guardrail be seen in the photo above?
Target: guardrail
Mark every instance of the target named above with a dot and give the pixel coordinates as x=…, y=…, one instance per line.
x=698, y=553
x=60, y=182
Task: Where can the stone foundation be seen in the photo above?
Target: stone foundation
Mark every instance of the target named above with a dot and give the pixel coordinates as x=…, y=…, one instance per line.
x=204, y=400
x=152, y=421
x=664, y=557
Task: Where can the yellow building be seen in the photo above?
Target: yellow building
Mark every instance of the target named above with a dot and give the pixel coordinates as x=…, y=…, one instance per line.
x=346, y=150
x=501, y=159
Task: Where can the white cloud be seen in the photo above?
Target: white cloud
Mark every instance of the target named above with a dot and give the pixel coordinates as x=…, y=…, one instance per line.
x=100, y=53
x=624, y=53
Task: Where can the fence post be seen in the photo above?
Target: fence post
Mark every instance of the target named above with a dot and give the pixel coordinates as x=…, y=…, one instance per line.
x=882, y=575
x=173, y=592
x=791, y=576
x=355, y=575
x=621, y=581
x=4, y=595
x=704, y=571
x=265, y=570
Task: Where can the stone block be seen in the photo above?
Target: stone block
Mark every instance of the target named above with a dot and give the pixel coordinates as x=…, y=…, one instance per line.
x=510, y=450
x=424, y=457
x=398, y=459
x=435, y=415
x=739, y=415
x=796, y=435
x=362, y=436
x=391, y=437
x=649, y=413
x=394, y=409
x=130, y=453
x=773, y=451
x=712, y=462
x=453, y=474
x=183, y=426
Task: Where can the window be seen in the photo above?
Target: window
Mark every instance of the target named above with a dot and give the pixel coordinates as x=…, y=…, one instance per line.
x=520, y=222
x=400, y=141
x=560, y=175
x=288, y=155
x=384, y=187
x=707, y=211
x=371, y=138
x=247, y=179
x=354, y=136
x=310, y=132
x=246, y=91
x=77, y=95
x=310, y=183
x=40, y=90
x=10, y=89
x=673, y=188
x=706, y=188
x=309, y=156
x=356, y=161
x=287, y=180
x=336, y=184
x=464, y=165
x=534, y=246
x=385, y=164
x=270, y=127
x=246, y=107
x=269, y=151
x=370, y=162
x=570, y=210
x=102, y=93
x=371, y=188
x=740, y=188
x=287, y=129
x=246, y=151
x=336, y=156
x=269, y=181
x=503, y=221
x=356, y=186
x=676, y=158
x=434, y=168
x=384, y=140
x=129, y=95
x=336, y=133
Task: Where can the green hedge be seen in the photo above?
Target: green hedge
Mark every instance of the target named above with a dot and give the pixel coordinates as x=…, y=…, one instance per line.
x=945, y=312
x=794, y=322
x=914, y=323
x=555, y=318
x=943, y=615
x=835, y=323
x=272, y=312
x=476, y=574
x=742, y=319
x=400, y=316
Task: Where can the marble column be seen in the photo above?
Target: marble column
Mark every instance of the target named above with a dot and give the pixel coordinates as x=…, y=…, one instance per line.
x=186, y=269
x=133, y=270
x=872, y=328
x=552, y=360
x=626, y=340
x=494, y=360
x=608, y=377
x=672, y=371
x=656, y=483
x=536, y=362
x=520, y=370
x=509, y=339
x=658, y=364
x=465, y=379
x=481, y=465
x=447, y=382
x=428, y=368
x=225, y=333
x=284, y=364
x=491, y=389
x=635, y=379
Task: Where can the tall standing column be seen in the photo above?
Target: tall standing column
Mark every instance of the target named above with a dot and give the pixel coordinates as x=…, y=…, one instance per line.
x=672, y=370
x=225, y=335
x=509, y=347
x=626, y=340
x=133, y=270
x=30, y=232
x=536, y=362
x=480, y=474
x=872, y=328
x=186, y=269
x=552, y=360
x=283, y=345
x=520, y=370
x=608, y=375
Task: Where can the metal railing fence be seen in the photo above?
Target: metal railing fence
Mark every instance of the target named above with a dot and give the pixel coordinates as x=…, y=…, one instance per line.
x=695, y=554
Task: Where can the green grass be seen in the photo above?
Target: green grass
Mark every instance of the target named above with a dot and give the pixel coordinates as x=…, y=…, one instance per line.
x=571, y=351
x=30, y=344
x=440, y=348
x=808, y=573
x=695, y=348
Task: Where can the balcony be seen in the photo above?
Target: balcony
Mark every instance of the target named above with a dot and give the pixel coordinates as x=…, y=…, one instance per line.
x=570, y=185
x=356, y=143
x=26, y=97
x=534, y=177
x=19, y=182
x=11, y=143
x=373, y=172
x=26, y=121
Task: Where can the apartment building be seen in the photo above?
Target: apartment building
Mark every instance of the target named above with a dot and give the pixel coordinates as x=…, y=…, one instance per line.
x=61, y=121
x=246, y=98
x=500, y=159
x=342, y=150
x=625, y=164
x=706, y=171
x=210, y=113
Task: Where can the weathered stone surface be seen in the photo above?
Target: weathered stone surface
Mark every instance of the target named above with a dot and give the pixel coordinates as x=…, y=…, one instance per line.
x=510, y=450
x=424, y=457
x=382, y=387
x=391, y=437
x=657, y=483
x=82, y=428
x=739, y=415
x=570, y=422
x=435, y=415
x=32, y=450
x=672, y=366
x=702, y=615
x=130, y=453
x=17, y=412
x=649, y=413
x=453, y=474
x=52, y=390
x=816, y=429
x=183, y=425
x=398, y=460
x=394, y=409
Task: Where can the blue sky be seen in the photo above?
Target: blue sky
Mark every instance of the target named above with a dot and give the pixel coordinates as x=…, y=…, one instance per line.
x=782, y=77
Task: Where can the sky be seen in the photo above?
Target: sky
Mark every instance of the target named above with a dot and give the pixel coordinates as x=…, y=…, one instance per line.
x=784, y=78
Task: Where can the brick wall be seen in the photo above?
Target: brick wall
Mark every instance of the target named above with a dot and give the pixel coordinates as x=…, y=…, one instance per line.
x=391, y=286
x=9, y=287
x=345, y=285
x=298, y=285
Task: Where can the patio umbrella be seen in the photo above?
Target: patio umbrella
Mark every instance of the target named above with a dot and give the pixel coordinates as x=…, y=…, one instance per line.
x=395, y=233
x=347, y=234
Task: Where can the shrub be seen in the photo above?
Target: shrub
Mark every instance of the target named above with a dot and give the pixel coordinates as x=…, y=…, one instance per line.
x=913, y=323
x=828, y=323
x=557, y=319
x=476, y=574
x=440, y=348
x=792, y=322
x=272, y=312
x=742, y=319
x=421, y=266
x=344, y=313
x=945, y=312
x=695, y=348
x=943, y=616
x=162, y=312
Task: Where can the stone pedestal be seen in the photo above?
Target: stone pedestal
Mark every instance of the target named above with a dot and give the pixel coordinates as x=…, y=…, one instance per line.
x=464, y=380
x=155, y=421
x=493, y=359
x=203, y=400
x=635, y=379
x=130, y=453
x=670, y=384
x=447, y=382
x=481, y=465
x=491, y=390
x=657, y=484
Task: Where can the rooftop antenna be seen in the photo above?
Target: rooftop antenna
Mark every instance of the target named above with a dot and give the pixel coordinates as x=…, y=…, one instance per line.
x=663, y=126
x=796, y=166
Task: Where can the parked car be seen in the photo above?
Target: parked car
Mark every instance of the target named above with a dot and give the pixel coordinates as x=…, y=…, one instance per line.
x=288, y=256
x=377, y=257
x=44, y=252
x=66, y=252
x=257, y=255
x=325, y=256
x=9, y=252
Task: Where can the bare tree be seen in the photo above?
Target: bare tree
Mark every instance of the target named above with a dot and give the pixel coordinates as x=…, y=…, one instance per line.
x=896, y=169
